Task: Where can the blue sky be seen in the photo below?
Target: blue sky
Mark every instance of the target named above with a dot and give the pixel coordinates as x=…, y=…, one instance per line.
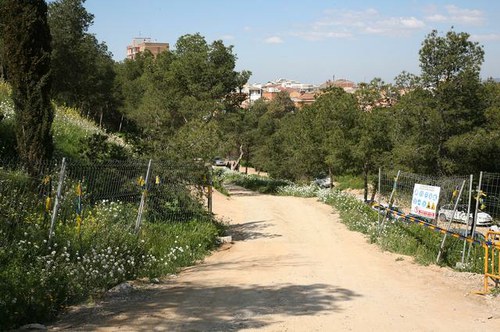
x=309, y=41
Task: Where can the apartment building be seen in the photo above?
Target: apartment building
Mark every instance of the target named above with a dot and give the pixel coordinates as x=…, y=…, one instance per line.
x=142, y=44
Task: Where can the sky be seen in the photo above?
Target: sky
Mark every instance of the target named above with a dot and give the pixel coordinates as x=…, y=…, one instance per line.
x=308, y=41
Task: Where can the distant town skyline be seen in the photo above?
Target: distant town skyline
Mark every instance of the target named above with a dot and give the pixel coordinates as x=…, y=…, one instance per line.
x=310, y=42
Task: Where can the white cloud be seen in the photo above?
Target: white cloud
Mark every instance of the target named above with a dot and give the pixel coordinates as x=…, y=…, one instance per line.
x=436, y=18
x=455, y=15
x=348, y=23
x=412, y=23
x=273, y=40
x=470, y=16
x=321, y=35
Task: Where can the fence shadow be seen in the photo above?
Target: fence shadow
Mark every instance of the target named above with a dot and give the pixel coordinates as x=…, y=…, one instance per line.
x=250, y=231
x=191, y=307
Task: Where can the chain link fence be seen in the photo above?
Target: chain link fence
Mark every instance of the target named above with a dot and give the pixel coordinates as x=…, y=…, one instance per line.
x=131, y=192
x=405, y=183
x=468, y=206
x=490, y=187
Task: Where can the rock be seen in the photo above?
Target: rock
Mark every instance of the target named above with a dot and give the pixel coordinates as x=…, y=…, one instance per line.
x=225, y=239
x=122, y=289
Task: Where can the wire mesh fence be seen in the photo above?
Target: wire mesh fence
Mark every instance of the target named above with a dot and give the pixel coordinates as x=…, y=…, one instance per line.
x=405, y=184
x=467, y=207
x=490, y=201
x=130, y=192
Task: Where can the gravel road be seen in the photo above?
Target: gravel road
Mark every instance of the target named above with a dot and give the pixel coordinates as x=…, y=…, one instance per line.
x=293, y=266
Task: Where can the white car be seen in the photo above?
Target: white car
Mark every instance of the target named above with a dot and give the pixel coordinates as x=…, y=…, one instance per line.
x=323, y=182
x=446, y=212
x=218, y=161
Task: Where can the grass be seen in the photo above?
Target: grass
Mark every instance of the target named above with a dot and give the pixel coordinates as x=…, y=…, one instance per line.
x=69, y=129
x=349, y=182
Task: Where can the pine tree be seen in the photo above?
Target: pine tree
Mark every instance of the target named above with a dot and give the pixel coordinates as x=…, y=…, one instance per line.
x=26, y=37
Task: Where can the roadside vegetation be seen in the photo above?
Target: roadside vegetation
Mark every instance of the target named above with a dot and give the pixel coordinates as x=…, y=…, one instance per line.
x=39, y=278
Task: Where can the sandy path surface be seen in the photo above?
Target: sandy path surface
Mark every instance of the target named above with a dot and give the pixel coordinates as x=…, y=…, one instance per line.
x=294, y=267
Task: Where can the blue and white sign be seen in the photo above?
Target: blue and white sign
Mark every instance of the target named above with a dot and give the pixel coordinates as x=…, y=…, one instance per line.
x=425, y=200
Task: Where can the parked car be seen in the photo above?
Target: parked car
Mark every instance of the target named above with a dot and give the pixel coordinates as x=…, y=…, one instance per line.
x=325, y=182
x=218, y=161
x=446, y=213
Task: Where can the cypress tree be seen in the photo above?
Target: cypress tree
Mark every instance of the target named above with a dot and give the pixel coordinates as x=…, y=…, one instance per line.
x=27, y=51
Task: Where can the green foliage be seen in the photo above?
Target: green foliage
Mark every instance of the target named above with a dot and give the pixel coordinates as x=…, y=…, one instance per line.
x=444, y=58
x=348, y=182
x=190, y=86
x=82, y=68
x=97, y=149
x=38, y=278
x=433, y=124
x=7, y=132
x=27, y=49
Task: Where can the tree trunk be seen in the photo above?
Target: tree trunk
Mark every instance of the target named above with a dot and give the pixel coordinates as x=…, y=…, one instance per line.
x=365, y=180
x=237, y=163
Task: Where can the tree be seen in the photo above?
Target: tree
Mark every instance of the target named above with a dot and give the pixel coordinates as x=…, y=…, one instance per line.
x=2, y=60
x=373, y=145
x=27, y=51
x=445, y=102
x=444, y=58
x=479, y=149
x=82, y=67
x=195, y=82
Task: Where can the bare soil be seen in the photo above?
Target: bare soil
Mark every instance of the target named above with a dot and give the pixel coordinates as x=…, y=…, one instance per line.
x=293, y=266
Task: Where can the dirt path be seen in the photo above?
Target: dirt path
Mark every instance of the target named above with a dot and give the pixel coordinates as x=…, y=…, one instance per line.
x=294, y=267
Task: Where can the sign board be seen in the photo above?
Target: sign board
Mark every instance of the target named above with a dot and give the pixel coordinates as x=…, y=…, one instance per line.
x=425, y=200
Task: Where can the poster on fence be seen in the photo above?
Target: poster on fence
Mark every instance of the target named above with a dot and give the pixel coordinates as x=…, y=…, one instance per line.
x=425, y=200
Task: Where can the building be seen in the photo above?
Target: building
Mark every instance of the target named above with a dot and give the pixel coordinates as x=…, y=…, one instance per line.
x=347, y=85
x=141, y=44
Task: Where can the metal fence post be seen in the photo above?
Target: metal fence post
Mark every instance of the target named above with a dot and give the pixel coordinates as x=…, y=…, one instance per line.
x=58, y=197
x=391, y=197
x=143, y=199
x=468, y=214
x=379, y=196
x=449, y=224
x=474, y=221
